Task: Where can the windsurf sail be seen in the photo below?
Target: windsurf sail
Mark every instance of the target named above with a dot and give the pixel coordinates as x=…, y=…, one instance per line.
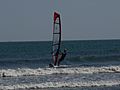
x=56, y=36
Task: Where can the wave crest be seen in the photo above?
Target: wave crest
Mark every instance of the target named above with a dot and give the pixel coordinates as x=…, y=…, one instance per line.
x=61, y=84
x=46, y=71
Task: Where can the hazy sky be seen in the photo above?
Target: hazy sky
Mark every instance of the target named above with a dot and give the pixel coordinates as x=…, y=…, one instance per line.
x=81, y=19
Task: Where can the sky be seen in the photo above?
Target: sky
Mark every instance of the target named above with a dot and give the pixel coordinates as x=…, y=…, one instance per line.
x=32, y=20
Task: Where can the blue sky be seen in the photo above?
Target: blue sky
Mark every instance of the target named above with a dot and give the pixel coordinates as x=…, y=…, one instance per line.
x=31, y=20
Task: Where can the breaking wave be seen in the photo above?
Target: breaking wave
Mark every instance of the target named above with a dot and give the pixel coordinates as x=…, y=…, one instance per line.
x=65, y=70
x=61, y=84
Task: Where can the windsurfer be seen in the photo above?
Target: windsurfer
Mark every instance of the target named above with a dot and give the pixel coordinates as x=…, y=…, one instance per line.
x=62, y=56
x=57, y=55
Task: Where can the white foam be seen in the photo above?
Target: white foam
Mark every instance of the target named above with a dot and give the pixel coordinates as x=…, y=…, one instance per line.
x=61, y=84
x=45, y=71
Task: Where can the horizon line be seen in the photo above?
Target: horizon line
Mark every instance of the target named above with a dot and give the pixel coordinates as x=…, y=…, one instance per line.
x=61, y=40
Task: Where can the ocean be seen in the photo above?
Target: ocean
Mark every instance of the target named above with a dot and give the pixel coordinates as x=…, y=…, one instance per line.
x=89, y=65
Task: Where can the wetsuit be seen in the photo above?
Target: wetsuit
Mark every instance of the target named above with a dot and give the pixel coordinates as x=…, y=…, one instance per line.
x=62, y=58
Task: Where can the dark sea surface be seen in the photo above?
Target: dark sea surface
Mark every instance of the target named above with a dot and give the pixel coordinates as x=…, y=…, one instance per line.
x=89, y=65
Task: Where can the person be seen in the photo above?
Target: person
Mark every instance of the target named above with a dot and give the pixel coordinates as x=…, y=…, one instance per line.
x=58, y=57
x=62, y=56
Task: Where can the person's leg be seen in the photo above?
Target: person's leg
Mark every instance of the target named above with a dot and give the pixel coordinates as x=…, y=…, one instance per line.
x=59, y=62
x=59, y=59
x=55, y=59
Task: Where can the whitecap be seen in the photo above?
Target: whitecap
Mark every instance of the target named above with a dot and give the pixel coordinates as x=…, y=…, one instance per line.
x=46, y=71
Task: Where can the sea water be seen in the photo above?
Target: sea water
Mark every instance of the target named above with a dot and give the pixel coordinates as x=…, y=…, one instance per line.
x=89, y=65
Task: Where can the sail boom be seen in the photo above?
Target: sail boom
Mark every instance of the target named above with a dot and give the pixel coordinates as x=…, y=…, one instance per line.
x=57, y=33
